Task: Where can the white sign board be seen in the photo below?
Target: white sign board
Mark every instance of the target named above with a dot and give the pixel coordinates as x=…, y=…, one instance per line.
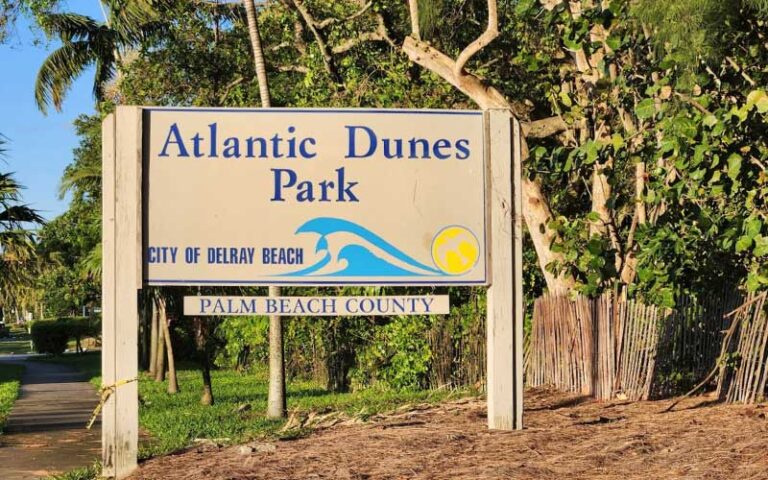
x=318, y=306
x=314, y=197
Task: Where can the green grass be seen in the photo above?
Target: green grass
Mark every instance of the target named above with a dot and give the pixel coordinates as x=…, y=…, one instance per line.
x=86, y=473
x=16, y=344
x=10, y=381
x=175, y=421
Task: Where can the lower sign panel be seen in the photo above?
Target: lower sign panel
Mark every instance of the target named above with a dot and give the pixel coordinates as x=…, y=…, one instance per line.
x=317, y=306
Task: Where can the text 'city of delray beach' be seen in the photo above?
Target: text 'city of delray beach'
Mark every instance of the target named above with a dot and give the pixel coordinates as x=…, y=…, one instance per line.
x=362, y=142
x=224, y=255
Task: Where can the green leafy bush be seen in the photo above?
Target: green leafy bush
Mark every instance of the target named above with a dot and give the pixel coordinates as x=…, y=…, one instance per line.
x=80, y=328
x=52, y=336
x=244, y=339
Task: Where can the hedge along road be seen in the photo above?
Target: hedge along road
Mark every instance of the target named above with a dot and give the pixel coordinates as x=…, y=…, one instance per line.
x=45, y=433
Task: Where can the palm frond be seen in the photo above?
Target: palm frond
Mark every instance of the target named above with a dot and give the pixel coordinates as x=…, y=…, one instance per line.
x=17, y=244
x=76, y=176
x=59, y=70
x=760, y=6
x=9, y=188
x=128, y=17
x=90, y=266
x=87, y=41
x=17, y=265
x=18, y=214
x=69, y=27
x=688, y=30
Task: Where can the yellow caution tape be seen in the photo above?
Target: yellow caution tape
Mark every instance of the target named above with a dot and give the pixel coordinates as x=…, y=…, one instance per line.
x=105, y=392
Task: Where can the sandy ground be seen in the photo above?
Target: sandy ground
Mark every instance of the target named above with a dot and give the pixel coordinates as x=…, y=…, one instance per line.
x=566, y=437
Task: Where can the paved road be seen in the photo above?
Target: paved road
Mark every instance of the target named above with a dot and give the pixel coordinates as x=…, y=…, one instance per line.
x=45, y=432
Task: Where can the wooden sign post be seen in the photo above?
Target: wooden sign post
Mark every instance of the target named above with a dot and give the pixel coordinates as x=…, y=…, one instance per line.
x=462, y=175
x=504, y=321
x=121, y=282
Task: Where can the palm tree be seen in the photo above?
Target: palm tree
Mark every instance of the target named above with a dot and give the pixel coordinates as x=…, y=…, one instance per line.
x=81, y=177
x=17, y=252
x=258, y=52
x=276, y=402
x=86, y=42
x=84, y=175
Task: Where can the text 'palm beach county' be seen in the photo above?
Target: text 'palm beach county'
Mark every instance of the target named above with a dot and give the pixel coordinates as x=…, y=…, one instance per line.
x=318, y=306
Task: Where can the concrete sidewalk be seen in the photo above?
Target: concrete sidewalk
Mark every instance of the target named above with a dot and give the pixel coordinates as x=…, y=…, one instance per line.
x=45, y=433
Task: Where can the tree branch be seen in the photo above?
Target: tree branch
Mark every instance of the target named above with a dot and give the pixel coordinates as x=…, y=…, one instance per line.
x=413, y=5
x=432, y=59
x=312, y=25
x=546, y=127
x=292, y=68
x=491, y=32
x=279, y=46
x=380, y=34
x=738, y=68
x=693, y=103
x=332, y=20
x=229, y=88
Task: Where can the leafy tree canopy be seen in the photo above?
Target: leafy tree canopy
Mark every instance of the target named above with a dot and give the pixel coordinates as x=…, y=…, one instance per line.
x=652, y=171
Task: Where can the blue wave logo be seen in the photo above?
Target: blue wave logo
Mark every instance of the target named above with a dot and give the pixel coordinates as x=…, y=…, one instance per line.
x=351, y=250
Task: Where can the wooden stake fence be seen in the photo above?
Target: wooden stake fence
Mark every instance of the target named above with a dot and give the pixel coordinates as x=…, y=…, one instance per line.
x=612, y=347
x=691, y=340
x=743, y=371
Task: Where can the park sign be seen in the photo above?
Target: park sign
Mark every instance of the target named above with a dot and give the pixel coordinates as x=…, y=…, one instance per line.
x=308, y=197
x=315, y=197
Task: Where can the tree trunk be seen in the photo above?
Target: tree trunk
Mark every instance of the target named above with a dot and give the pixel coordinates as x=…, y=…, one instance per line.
x=629, y=269
x=207, y=397
x=173, y=384
x=535, y=206
x=642, y=216
x=153, y=339
x=276, y=405
x=601, y=192
x=258, y=52
x=160, y=355
x=203, y=350
x=537, y=216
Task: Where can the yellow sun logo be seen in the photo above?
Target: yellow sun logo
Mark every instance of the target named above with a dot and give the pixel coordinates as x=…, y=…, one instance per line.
x=455, y=250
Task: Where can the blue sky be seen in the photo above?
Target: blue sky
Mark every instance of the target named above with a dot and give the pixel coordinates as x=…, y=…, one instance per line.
x=40, y=146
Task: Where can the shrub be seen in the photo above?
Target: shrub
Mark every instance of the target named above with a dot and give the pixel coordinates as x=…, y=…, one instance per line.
x=80, y=328
x=51, y=336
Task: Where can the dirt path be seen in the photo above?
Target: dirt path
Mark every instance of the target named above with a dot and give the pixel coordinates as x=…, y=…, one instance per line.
x=45, y=432
x=565, y=438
